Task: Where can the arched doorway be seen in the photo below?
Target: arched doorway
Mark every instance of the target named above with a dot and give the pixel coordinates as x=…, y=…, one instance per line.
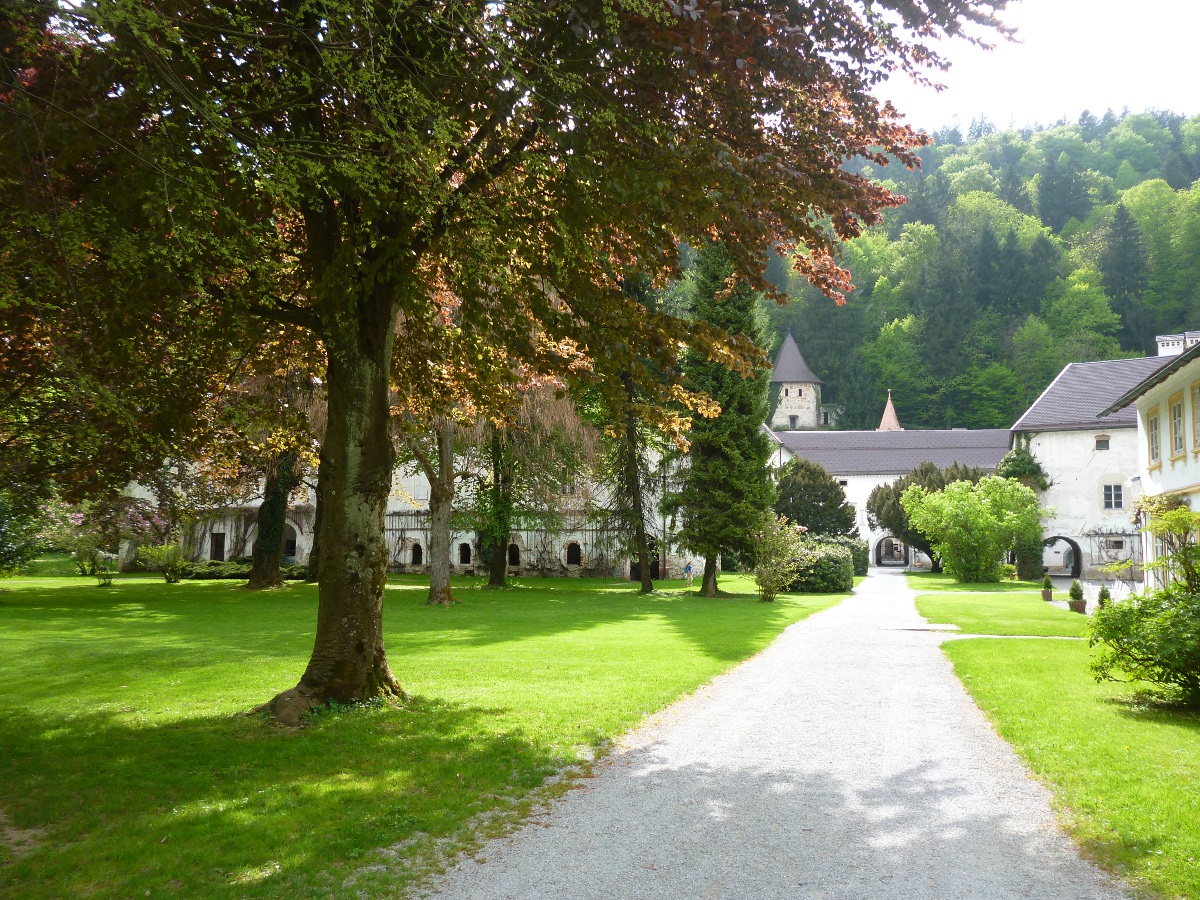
x=1062, y=556
x=289, y=545
x=464, y=554
x=891, y=552
x=574, y=554
x=635, y=567
x=514, y=556
x=418, y=556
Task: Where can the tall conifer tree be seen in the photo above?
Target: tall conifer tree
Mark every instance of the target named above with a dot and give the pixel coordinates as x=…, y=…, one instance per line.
x=726, y=487
x=1124, y=272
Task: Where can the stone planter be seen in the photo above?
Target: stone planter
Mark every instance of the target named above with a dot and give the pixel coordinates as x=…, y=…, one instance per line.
x=1079, y=606
x=1047, y=595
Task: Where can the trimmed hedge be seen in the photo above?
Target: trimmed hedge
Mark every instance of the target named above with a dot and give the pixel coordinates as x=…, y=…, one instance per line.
x=825, y=569
x=860, y=551
x=235, y=569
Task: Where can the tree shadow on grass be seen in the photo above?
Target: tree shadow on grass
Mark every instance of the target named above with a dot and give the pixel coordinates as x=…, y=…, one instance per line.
x=213, y=807
x=728, y=628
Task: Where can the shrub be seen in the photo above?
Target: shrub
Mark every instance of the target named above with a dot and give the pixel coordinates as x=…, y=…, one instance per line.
x=824, y=569
x=1075, y=592
x=1047, y=583
x=860, y=550
x=232, y=569
x=1151, y=638
x=1156, y=637
x=1104, y=597
x=777, y=549
x=165, y=558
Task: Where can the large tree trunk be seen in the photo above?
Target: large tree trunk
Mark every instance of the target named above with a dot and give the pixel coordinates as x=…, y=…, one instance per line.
x=441, y=508
x=633, y=489
x=314, y=554
x=708, y=587
x=282, y=477
x=348, y=661
x=501, y=514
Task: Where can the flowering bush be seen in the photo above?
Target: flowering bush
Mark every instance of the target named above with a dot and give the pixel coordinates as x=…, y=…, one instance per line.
x=777, y=556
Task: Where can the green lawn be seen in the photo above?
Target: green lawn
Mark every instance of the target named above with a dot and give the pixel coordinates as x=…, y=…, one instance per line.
x=129, y=767
x=1025, y=614
x=927, y=581
x=1125, y=775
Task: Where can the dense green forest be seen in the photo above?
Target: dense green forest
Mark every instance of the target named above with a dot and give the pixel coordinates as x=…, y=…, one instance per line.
x=1016, y=253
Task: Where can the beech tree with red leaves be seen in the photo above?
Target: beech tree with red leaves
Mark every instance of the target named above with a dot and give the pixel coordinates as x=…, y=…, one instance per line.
x=350, y=160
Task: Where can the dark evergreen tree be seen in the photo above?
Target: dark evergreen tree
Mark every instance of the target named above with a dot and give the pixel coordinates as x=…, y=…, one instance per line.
x=726, y=487
x=1014, y=191
x=1125, y=275
x=987, y=269
x=810, y=496
x=1062, y=194
x=947, y=301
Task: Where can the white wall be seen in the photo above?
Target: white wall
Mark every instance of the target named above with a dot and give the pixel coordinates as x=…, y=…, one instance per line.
x=1078, y=473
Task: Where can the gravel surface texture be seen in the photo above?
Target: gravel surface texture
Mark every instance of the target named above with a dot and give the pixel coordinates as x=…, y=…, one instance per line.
x=845, y=761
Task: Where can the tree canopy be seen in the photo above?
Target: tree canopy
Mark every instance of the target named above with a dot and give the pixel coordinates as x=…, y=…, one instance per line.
x=360, y=171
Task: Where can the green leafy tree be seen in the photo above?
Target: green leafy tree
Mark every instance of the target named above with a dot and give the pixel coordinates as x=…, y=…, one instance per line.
x=886, y=513
x=21, y=538
x=972, y=525
x=810, y=497
x=726, y=487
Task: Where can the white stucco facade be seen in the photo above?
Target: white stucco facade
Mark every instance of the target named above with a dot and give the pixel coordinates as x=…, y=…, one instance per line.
x=1093, y=487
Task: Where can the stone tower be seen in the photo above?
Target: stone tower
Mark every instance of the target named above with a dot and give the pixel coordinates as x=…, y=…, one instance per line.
x=799, y=405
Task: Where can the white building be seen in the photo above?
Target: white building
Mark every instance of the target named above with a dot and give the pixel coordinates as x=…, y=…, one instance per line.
x=1091, y=463
x=1168, y=422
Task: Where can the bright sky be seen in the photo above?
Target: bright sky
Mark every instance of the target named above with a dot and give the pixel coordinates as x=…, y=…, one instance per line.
x=1074, y=55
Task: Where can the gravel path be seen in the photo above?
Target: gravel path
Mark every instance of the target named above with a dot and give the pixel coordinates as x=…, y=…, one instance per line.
x=846, y=761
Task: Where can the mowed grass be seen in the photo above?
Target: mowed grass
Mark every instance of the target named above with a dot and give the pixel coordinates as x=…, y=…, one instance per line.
x=1010, y=614
x=1125, y=774
x=927, y=581
x=130, y=768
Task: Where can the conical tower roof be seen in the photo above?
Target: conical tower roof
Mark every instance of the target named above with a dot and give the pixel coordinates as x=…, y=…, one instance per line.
x=790, y=366
x=890, y=421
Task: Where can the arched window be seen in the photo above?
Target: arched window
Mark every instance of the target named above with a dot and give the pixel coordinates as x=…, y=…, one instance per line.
x=418, y=555
x=514, y=555
x=464, y=554
x=574, y=554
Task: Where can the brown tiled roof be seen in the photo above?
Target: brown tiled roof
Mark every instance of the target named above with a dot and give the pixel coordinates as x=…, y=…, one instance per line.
x=896, y=452
x=1082, y=391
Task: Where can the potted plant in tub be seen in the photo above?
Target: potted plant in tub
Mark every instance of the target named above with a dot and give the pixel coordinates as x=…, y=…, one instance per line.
x=1077, y=603
x=1047, y=588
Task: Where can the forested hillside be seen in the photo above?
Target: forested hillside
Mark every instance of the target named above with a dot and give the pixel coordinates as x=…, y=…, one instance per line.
x=1017, y=252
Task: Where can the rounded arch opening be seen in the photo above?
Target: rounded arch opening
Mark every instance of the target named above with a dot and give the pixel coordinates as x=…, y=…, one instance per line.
x=289, y=544
x=416, y=555
x=574, y=554
x=890, y=551
x=1062, y=556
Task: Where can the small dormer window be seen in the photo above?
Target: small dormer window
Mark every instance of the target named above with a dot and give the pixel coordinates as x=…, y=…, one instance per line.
x=785, y=392
x=1102, y=442
x=799, y=392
